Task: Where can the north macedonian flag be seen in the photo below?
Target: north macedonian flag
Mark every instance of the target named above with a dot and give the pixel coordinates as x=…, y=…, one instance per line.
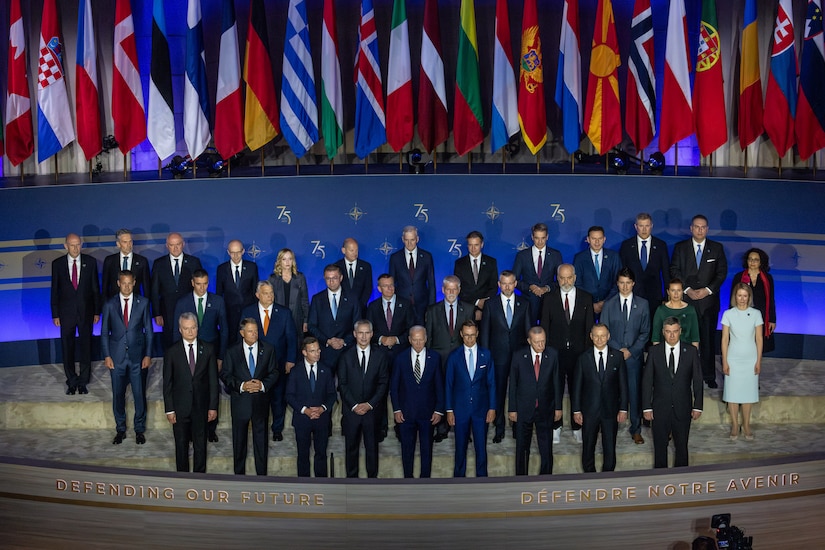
x=602, y=112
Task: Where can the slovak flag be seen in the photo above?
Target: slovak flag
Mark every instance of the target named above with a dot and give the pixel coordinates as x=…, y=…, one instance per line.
x=780, y=99
x=54, y=118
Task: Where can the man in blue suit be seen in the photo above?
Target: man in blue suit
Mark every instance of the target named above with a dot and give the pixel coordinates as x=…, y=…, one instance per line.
x=413, y=272
x=470, y=396
x=596, y=269
x=627, y=316
x=126, y=345
x=276, y=328
x=535, y=269
x=417, y=392
x=332, y=316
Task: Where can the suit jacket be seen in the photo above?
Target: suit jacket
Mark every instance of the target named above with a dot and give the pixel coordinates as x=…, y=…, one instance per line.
x=299, y=394
x=486, y=287
x=186, y=393
x=467, y=398
x=361, y=287
x=112, y=264
x=236, y=296
x=632, y=332
x=711, y=273
x=421, y=289
x=438, y=329
x=494, y=333
x=281, y=334
x=525, y=270
x=417, y=401
x=402, y=319
x=573, y=337
x=603, y=286
x=357, y=386
x=323, y=326
x=298, y=298
x=214, y=328
x=597, y=396
x=126, y=344
x=650, y=282
x=165, y=292
x=664, y=393
x=72, y=305
x=525, y=389
x=235, y=372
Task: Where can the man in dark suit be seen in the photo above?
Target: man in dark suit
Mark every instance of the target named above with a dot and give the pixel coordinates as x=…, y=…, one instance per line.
x=332, y=316
x=126, y=346
x=470, y=398
x=236, y=282
x=311, y=394
x=535, y=268
x=702, y=266
x=477, y=273
x=647, y=257
x=443, y=323
x=171, y=279
x=627, y=317
x=596, y=269
x=248, y=373
x=363, y=380
x=213, y=328
x=599, y=399
x=75, y=305
x=125, y=259
x=672, y=393
x=413, y=272
x=417, y=391
x=536, y=391
x=504, y=327
x=276, y=328
x=357, y=282
x=567, y=317
x=190, y=392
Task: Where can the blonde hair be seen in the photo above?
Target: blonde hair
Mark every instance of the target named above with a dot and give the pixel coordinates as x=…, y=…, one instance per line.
x=278, y=270
x=741, y=286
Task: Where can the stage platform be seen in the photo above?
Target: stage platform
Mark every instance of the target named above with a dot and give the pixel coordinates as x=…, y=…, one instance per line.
x=37, y=421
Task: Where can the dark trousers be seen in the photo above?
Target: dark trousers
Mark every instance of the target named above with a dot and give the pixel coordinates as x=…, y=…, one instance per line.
x=315, y=433
x=422, y=429
x=663, y=426
x=708, y=319
x=240, y=437
x=190, y=430
x=590, y=433
x=634, y=394
x=463, y=426
x=355, y=427
x=544, y=438
x=277, y=404
x=502, y=377
x=76, y=349
x=567, y=364
x=124, y=375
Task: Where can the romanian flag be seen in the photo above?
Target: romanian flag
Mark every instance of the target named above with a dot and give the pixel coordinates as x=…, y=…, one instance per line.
x=750, y=83
x=602, y=113
x=532, y=114
x=467, y=119
x=780, y=98
x=261, y=113
x=708, y=85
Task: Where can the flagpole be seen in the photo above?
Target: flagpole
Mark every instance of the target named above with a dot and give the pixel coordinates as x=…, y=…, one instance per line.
x=90, y=170
x=676, y=159
x=746, y=161
x=780, y=167
x=124, y=166
x=642, y=161
x=262, y=162
x=55, y=168
x=194, y=169
x=297, y=166
x=572, y=164
x=366, y=165
x=21, y=173
x=607, y=163
x=435, y=161
x=469, y=162
x=503, y=161
x=400, y=160
x=331, y=165
x=538, y=164
x=159, y=168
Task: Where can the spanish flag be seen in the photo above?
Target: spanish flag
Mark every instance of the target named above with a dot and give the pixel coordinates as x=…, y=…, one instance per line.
x=602, y=111
x=261, y=113
x=750, y=83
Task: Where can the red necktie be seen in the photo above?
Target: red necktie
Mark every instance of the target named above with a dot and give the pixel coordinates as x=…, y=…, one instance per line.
x=74, y=274
x=412, y=267
x=539, y=266
x=126, y=312
x=536, y=366
x=567, y=308
x=389, y=317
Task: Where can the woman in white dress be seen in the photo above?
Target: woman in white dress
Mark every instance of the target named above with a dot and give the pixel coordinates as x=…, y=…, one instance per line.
x=741, y=358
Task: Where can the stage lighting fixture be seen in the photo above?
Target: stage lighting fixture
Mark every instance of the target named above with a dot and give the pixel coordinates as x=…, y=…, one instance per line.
x=215, y=165
x=620, y=162
x=180, y=165
x=109, y=143
x=513, y=146
x=656, y=163
x=415, y=160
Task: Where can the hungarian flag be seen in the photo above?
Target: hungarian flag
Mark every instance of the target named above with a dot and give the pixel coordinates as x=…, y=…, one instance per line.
x=261, y=114
x=432, y=95
x=467, y=118
x=750, y=82
x=676, y=121
x=780, y=98
x=504, y=120
x=569, y=77
x=332, y=103
x=228, y=101
x=640, y=110
x=708, y=85
x=532, y=114
x=128, y=115
x=810, y=113
x=399, y=81
x=19, y=134
x=603, y=114
x=87, y=101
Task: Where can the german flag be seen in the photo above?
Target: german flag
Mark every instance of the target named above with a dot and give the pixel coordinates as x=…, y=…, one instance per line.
x=261, y=112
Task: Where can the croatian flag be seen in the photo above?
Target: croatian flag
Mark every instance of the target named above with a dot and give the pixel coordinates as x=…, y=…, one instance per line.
x=54, y=117
x=88, y=103
x=569, y=77
x=370, y=125
x=196, y=132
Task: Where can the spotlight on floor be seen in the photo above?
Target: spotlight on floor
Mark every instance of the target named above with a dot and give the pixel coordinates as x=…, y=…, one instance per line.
x=620, y=162
x=215, y=165
x=180, y=165
x=513, y=146
x=656, y=163
x=415, y=160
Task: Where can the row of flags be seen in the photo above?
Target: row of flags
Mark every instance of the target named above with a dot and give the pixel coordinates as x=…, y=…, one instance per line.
x=792, y=112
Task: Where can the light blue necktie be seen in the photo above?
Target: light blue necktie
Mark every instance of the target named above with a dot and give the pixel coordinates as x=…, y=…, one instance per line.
x=334, y=307
x=125, y=263
x=598, y=268
x=509, y=314
x=251, y=362
x=472, y=365
x=698, y=255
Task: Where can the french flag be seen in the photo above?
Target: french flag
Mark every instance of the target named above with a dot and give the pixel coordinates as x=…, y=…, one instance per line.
x=229, y=106
x=88, y=102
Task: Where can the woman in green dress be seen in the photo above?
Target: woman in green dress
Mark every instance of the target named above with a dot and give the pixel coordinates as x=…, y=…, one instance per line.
x=676, y=307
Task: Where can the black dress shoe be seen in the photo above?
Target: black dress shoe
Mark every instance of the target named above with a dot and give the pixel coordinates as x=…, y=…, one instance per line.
x=82, y=390
x=277, y=436
x=712, y=384
x=497, y=438
x=70, y=390
x=213, y=438
x=140, y=439
x=439, y=438
x=119, y=437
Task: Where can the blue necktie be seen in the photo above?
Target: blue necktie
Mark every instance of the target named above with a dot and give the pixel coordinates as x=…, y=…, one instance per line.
x=334, y=307
x=643, y=255
x=598, y=268
x=125, y=263
x=509, y=314
x=312, y=378
x=251, y=363
x=472, y=365
x=698, y=255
